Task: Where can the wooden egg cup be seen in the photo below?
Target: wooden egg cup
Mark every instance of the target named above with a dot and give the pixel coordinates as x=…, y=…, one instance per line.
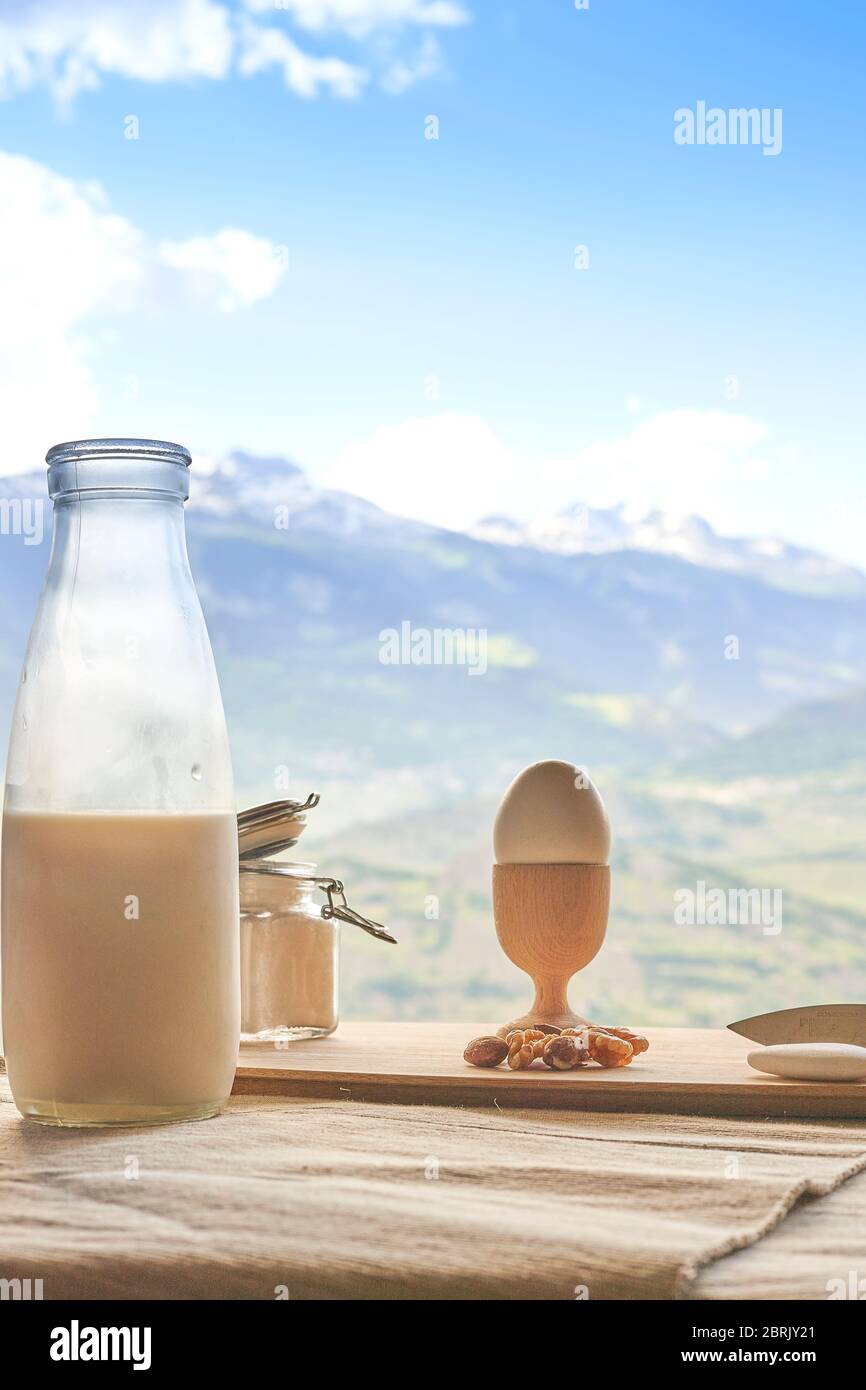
x=551, y=920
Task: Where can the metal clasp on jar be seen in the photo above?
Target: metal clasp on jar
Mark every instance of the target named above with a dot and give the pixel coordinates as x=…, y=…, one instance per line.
x=333, y=888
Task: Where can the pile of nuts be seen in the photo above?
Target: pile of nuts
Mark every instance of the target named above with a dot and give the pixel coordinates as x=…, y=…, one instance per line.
x=560, y=1049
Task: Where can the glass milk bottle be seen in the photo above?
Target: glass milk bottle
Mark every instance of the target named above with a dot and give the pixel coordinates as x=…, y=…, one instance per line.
x=120, y=967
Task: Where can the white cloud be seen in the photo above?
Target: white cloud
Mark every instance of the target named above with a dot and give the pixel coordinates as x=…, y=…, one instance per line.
x=234, y=268
x=69, y=46
x=452, y=469
x=362, y=17
x=63, y=255
x=679, y=460
x=66, y=256
x=446, y=468
x=401, y=74
x=267, y=47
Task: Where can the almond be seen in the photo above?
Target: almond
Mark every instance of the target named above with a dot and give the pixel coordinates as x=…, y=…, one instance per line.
x=486, y=1052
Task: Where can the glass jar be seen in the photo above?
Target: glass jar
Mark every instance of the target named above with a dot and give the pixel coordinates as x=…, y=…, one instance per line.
x=290, y=950
x=290, y=954
x=120, y=966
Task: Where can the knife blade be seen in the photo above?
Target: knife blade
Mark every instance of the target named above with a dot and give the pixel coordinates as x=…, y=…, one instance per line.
x=816, y=1023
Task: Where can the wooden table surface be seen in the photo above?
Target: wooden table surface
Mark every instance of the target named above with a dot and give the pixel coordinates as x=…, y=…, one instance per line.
x=336, y=1199
x=695, y=1071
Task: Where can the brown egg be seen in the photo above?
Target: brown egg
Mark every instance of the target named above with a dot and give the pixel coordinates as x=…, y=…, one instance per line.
x=551, y=814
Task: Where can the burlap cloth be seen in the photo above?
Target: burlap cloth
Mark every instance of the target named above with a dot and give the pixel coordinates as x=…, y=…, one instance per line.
x=324, y=1199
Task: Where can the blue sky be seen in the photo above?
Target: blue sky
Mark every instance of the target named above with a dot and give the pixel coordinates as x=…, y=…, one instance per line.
x=403, y=316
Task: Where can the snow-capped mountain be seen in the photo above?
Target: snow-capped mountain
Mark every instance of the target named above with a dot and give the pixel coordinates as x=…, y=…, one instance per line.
x=635, y=641
x=581, y=530
x=277, y=492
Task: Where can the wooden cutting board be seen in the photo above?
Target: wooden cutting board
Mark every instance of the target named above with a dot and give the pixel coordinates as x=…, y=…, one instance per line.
x=695, y=1071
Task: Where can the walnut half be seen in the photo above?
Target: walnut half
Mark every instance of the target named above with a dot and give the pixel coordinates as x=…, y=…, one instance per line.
x=566, y=1052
